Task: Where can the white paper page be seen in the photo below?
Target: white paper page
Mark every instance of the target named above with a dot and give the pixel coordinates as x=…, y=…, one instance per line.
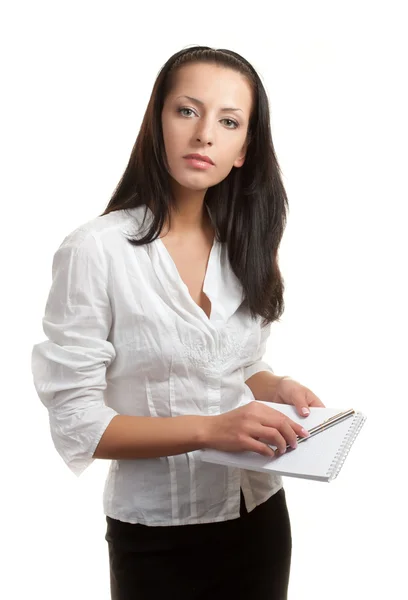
x=311, y=458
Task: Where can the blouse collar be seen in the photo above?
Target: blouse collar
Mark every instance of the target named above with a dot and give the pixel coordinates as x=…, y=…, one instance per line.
x=221, y=285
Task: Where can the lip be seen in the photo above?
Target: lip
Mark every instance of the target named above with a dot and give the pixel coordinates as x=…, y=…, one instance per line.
x=201, y=165
x=200, y=157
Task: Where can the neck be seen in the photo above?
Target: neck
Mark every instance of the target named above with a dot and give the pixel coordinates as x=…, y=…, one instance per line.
x=190, y=213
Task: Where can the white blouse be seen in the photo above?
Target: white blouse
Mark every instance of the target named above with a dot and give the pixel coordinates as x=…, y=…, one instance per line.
x=125, y=337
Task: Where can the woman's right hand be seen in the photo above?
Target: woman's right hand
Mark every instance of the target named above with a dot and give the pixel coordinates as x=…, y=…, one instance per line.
x=243, y=429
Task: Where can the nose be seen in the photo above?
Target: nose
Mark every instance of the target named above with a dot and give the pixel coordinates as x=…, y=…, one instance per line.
x=204, y=135
x=204, y=140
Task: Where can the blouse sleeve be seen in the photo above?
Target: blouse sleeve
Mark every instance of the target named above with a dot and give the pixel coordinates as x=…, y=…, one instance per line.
x=257, y=365
x=69, y=368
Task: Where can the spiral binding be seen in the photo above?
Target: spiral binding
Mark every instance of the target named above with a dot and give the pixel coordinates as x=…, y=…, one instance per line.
x=345, y=447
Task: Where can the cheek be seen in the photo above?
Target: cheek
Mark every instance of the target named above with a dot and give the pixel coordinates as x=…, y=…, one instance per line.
x=224, y=169
x=171, y=139
x=167, y=130
x=166, y=136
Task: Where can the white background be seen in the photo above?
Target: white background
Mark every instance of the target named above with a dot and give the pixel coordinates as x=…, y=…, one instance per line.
x=77, y=78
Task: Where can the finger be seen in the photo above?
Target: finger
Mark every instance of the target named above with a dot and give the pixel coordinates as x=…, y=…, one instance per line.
x=272, y=436
x=289, y=434
x=299, y=429
x=261, y=448
x=286, y=436
x=301, y=403
x=313, y=400
x=302, y=409
x=318, y=403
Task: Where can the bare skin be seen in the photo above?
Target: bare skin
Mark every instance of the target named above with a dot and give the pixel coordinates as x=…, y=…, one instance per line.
x=191, y=259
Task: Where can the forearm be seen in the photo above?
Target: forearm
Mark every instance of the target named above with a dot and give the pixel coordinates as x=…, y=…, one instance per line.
x=263, y=386
x=150, y=437
x=128, y=437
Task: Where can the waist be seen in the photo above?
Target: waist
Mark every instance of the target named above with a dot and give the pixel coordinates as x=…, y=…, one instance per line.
x=182, y=490
x=139, y=537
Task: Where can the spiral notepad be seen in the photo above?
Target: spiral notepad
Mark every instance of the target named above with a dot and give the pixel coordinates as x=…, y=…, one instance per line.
x=320, y=457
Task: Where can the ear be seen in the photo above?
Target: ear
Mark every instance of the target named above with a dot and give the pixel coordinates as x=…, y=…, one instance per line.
x=239, y=161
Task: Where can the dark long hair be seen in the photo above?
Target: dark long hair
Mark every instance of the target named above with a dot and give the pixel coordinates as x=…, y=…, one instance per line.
x=248, y=208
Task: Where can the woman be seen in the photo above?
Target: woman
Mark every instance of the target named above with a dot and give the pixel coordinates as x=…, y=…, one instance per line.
x=157, y=322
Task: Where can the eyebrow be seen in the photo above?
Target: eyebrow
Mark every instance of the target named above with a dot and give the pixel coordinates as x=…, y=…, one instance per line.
x=201, y=103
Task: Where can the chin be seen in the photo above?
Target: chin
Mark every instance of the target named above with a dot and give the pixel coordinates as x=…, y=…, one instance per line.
x=194, y=182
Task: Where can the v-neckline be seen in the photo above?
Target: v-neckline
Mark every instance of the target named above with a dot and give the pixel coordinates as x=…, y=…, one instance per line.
x=221, y=285
x=184, y=285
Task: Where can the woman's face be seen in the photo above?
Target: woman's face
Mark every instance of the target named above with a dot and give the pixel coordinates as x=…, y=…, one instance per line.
x=203, y=127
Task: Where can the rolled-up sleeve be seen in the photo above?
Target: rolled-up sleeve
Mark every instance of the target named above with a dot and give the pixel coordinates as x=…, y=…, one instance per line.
x=257, y=364
x=69, y=368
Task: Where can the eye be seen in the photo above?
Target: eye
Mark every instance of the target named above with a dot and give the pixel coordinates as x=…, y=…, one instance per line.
x=180, y=110
x=236, y=125
x=232, y=121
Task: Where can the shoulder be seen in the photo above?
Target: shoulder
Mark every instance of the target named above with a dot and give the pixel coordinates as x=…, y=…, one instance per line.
x=105, y=230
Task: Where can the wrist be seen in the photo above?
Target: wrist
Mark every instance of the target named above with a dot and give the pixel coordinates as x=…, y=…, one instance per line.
x=203, y=430
x=275, y=397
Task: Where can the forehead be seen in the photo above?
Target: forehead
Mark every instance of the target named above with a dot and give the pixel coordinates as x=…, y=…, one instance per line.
x=213, y=84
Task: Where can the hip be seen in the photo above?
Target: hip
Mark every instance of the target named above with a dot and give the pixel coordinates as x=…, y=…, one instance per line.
x=266, y=521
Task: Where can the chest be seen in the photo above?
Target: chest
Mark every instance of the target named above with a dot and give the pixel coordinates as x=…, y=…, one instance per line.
x=156, y=326
x=191, y=261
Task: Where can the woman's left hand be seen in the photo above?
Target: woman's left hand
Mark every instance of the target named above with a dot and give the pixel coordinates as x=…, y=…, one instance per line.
x=289, y=391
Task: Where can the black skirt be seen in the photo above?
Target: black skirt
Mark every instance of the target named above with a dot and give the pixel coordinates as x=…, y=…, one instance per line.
x=246, y=558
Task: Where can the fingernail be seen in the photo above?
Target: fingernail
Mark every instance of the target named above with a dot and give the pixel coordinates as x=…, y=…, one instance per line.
x=305, y=432
x=305, y=410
